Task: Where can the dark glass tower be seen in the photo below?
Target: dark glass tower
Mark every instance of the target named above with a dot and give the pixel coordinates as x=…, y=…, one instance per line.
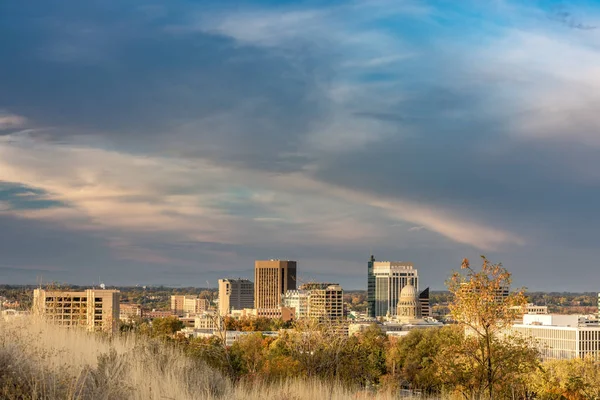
x=370, y=288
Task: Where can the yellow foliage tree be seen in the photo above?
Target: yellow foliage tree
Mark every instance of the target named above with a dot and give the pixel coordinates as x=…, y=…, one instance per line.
x=488, y=356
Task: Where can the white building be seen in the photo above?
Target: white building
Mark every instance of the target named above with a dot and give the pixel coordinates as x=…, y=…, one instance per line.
x=298, y=300
x=390, y=278
x=561, y=336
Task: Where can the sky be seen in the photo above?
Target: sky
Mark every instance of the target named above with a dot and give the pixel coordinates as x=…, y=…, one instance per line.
x=151, y=142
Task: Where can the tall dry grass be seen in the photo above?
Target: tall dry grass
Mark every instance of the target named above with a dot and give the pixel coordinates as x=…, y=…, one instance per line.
x=40, y=361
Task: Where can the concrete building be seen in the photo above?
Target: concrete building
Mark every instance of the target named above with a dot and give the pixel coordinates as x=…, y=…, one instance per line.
x=95, y=309
x=208, y=321
x=188, y=305
x=390, y=278
x=235, y=294
x=272, y=278
x=316, y=300
x=325, y=300
x=561, y=336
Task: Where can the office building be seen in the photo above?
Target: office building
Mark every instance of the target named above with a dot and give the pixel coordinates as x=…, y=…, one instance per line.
x=94, y=309
x=371, y=288
x=272, y=278
x=390, y=278
x=325, y=301
x=561, y=337
x=235, y=294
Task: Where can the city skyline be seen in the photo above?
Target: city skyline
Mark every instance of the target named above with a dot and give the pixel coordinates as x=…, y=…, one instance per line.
x=151, y=143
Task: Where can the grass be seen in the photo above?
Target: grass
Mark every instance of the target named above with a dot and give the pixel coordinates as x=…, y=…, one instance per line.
x=40, y=361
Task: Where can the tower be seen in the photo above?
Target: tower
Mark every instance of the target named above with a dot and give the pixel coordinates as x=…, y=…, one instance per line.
x=272, y=278
x=370, y=288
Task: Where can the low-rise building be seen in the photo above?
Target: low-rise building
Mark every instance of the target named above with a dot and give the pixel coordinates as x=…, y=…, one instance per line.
x=129, y=312
x=158, y=314
x=561, y=336
x=188, y=305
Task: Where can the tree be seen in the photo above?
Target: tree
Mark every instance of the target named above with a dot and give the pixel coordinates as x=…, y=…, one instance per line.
x=165, y=327
x=575, y=379
x=411, y=360
x=483, y=305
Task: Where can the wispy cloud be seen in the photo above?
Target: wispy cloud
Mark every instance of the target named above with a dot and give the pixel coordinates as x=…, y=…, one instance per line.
x=11, y=121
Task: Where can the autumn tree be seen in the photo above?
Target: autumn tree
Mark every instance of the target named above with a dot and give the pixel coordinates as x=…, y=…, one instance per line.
x=483, y=305
x=166, y=327
x=575, y=379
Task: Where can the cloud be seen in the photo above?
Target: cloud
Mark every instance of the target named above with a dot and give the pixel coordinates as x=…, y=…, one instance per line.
x=11, y=121
x=182, y=133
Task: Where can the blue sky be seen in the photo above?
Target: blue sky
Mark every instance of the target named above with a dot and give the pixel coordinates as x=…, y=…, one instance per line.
x=174, y=143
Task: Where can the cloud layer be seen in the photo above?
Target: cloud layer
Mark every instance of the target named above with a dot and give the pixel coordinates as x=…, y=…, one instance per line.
x=177, y=143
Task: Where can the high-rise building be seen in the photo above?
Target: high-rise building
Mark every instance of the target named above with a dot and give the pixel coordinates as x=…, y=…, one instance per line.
x=235, y=294
x=272, y=278
x=370, y=288
x=390, y=278
x=95, y=309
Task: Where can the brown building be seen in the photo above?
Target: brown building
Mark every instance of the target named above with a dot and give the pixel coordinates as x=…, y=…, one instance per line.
x=272, y=278
x=95, y=309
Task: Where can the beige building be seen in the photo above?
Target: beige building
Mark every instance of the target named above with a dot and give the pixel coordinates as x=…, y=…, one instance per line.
x=188, y=305
x=272, y=278
x=235, y=294
x=325, y=300
x=95, y=309
x=128, y=311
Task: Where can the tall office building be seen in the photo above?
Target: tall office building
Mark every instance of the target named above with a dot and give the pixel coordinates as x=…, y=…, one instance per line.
x=94, y=309
x=235, y=294
x=272, y=278
x=390, y=278
x=370, y=288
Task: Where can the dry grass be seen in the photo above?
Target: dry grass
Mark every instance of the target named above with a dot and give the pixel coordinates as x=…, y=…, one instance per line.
x=42, y=361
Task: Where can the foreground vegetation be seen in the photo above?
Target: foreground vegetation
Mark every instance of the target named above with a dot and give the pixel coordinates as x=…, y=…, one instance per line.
x=473, y=359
